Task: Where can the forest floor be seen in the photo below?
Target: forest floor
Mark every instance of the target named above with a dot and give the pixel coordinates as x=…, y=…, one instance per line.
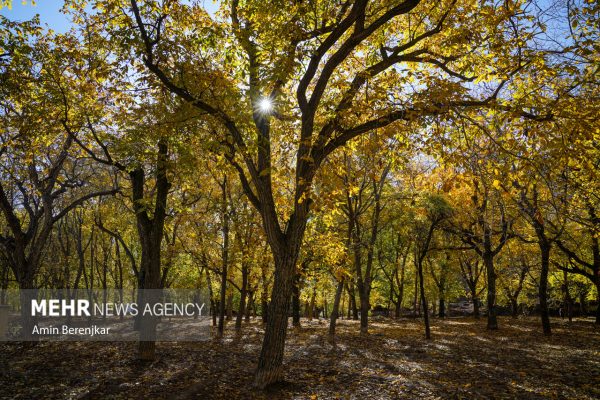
x=394, y=361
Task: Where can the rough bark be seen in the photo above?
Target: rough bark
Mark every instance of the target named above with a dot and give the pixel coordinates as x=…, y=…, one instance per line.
x=296, y=301
x=271, y=356
x=150, y=233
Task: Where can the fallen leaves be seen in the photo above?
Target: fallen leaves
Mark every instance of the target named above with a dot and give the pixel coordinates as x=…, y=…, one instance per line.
x=463, y=360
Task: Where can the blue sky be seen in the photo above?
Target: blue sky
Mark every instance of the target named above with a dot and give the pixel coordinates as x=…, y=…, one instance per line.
x=50, y=15
x=49, y=11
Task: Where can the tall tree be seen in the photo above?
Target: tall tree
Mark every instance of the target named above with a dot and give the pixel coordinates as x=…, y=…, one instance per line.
x=318, y=81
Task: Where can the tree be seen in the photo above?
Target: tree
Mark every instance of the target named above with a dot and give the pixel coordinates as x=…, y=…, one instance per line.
x=265, y=93
x=434, y=210
x=44, y=177
x=486, y=234
x=471, y=270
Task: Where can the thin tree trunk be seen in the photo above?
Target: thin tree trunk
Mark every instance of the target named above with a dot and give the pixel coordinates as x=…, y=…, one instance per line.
x=416, y=294
x=311, y=307
x=424, y=301
x=598, y=297
x=543, y=289
x=353, y=306
x=224, y=258
x=334, y=311
x=249, y=306
x=229, y=312
x=514, y=307
x=243, y=294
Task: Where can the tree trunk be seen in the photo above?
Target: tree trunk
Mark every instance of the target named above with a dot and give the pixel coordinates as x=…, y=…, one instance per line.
x=364, y=314
x=598, y=298
x=229, y=313
x=334, y=311
x=28, y=321
x=249, y=306
x=151, y=265
x=296, y=301
x=543, y=289
x=271, y=356
x=424, y=301
x=442, y=311
x=492, y=320
x=264, y=304
x=397, y=309
x=353, y=302
x=264, y=310
x=416, y=294
x=150, y=233
x=243, y=294
x=567, y=300
x=476, y=312
x=213, y=305
x=514, y=307
x=224, y=258
x=311, y=306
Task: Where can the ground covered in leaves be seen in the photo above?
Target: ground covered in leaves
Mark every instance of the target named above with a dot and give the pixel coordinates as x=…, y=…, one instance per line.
x=394, y=361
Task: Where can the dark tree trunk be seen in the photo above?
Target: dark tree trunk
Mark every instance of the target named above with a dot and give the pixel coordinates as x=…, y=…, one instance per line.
x=416, y=296
x=514, y=307
x=243, y=294
x=224, y=257
x=583, y=304
x=264, y=310
x=543, y=289
x=352, y=302
x=424, y=301
x=296, y=301
x=119, y=275
x=567, y=299
x=229, y=312
x=311, y=305
x=598, y=299
x=213, y=305
x=364, y=314
x=28, y=321
x=492, y=319
x=150, y=233
x=442, y=311
x=397, y=309
x=335, y=310
x=264, y=304
x=476, y=311
x=271, y=356
x=249, y=306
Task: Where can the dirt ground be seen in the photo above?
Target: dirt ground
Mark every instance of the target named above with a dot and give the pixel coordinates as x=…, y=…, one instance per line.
x=393, y=362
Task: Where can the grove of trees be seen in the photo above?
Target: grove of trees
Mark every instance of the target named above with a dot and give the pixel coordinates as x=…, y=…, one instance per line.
x=324, y=159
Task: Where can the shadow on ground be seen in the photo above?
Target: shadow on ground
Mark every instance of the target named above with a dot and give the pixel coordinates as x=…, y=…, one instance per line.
x=463, y=360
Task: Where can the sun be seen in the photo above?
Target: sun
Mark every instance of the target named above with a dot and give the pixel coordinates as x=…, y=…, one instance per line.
x=265, y=105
